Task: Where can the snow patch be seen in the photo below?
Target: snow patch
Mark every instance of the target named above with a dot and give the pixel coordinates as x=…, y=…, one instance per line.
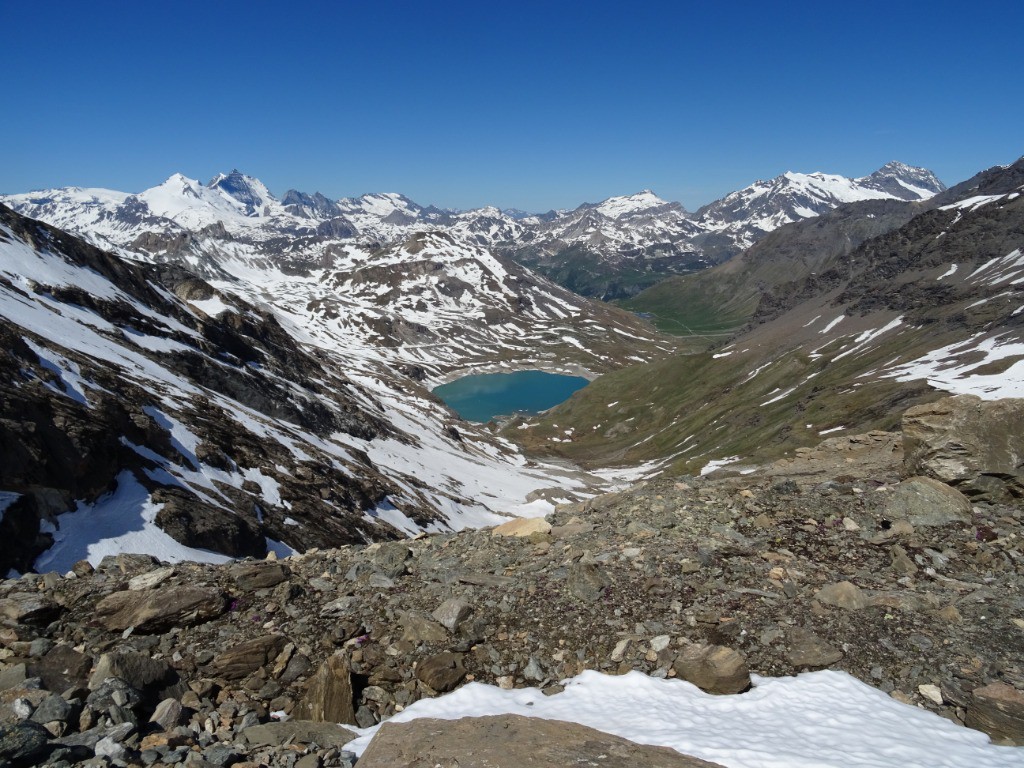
x=825, y=719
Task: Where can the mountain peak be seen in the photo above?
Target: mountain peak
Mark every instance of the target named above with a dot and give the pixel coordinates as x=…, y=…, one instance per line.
x=906, y=182
x=247, y=190
x=615, y=207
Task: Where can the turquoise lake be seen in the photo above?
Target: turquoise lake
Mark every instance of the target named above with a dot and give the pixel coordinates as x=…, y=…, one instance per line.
x=483, y=396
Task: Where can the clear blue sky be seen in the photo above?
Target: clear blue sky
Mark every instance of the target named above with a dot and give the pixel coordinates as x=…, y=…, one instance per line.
x=532, y=105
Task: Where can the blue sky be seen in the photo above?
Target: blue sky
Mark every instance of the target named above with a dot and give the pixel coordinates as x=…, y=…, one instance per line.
x=534, y=105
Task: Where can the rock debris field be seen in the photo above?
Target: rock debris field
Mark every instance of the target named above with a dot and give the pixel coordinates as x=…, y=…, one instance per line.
x=832, y=559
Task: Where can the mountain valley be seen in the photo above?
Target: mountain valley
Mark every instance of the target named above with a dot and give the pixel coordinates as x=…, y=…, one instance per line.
x=232, y=512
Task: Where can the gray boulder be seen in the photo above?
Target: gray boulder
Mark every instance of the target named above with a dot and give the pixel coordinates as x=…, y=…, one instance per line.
x=922, y=501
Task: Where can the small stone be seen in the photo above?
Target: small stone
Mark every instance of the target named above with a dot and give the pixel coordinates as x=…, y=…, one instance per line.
x=931, y=692
x=660, y=643
x=22, y=743
x=417, y=628
x=586, y=581
x=806, y=649
x=901, y=562
x=391, y=558
x=849, y=524
x=29, y=609
x=107, y=747
x=451, y=613
x=167, y=714
x=52, y=708
x=619, y=651
x=252, y=576
x=842, y=595
x=221, y=755
x=137, y=669
x=244, y=658
x=441, y=672
x=533, y=670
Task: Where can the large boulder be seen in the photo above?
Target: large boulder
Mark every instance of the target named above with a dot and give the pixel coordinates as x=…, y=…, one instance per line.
x=973, y=444
x=511, y=741
x=713, y=668
x=922, y=501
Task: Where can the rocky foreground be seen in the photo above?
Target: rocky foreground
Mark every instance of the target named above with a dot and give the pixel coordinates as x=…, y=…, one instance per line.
x=897, y=557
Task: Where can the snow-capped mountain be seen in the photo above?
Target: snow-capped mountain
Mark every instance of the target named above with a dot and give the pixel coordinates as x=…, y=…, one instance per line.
x=435, y=297
x=623, y=244
x=175, y=417
x=850, y=324
x=608, y=249
x=741, y=218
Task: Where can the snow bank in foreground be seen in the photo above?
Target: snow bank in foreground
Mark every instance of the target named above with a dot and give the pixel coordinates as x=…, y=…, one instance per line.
x=817, y=719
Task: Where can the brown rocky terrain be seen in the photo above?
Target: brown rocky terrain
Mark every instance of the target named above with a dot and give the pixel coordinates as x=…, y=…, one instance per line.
x=834, y=557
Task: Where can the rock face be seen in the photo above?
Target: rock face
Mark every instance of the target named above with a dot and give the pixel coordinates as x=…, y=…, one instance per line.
x=973, y=444
x=511, y=741
x=998, y=710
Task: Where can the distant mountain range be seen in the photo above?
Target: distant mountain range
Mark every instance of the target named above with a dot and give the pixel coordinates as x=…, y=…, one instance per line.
x=610, y=249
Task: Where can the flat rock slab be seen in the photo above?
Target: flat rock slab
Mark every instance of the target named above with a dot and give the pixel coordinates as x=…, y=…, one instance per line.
x=523, y=526
x=325, y=735
x=512, y=741
x=159, y=609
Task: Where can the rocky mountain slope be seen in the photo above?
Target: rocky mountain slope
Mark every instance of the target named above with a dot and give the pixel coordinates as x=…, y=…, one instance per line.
x=839, y=337
x=144, y=409
x=841, y=558
x=607, y=250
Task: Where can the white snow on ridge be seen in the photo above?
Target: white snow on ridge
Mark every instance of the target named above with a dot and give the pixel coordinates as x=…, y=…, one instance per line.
x=832, y=324
x=614, y=207
x=716, y=464
x=120, y=521
x=943, y=370
x=824, y=719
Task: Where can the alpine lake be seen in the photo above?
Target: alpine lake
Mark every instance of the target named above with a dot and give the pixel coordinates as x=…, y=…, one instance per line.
x=484, y=396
